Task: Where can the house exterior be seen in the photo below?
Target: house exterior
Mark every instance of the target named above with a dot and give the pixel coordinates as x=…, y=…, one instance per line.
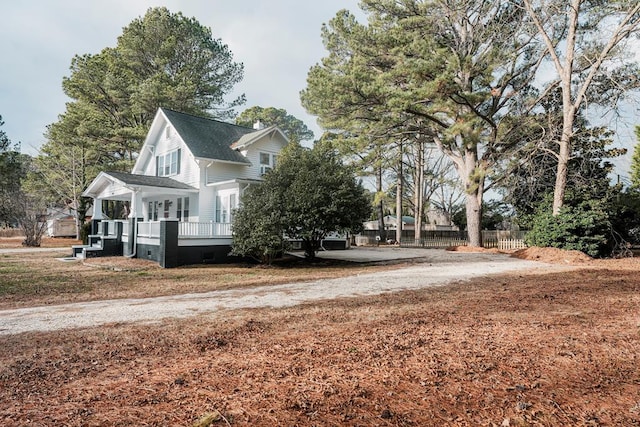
x=409, y=224
x=187, y=180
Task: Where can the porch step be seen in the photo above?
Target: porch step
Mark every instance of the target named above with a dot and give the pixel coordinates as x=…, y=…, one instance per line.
x=76, y=251
x=91, y=252
x=86, y=251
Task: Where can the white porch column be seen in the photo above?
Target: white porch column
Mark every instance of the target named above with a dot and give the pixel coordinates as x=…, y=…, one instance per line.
x=136, y=205
x=97, y=209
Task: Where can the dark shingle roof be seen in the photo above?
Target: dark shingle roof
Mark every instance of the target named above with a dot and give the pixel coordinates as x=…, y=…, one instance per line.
x=208, y=138
x=149, y=181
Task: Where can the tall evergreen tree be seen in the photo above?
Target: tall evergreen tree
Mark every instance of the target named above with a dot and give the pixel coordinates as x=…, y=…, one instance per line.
x=11, y=173
x=293, y=128
x=455, y=71
x=162, y=59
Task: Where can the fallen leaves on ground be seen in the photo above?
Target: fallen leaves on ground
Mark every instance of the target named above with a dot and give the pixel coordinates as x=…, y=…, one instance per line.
x=552, y=350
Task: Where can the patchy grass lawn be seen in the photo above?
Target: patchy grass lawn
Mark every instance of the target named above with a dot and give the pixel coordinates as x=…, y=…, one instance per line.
x=42, y=278
x=559, y=349
x=47, y=242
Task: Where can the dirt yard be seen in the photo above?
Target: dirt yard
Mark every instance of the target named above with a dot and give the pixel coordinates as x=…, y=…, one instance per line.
x=47, y=242
x=558, y=349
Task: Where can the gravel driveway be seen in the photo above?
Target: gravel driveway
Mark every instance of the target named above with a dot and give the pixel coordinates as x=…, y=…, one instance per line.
x=441, y=268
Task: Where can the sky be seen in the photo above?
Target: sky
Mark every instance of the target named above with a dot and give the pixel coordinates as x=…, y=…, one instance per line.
x=277, y=41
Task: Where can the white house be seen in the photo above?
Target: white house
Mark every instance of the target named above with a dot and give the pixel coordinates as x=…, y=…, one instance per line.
x=187, y=180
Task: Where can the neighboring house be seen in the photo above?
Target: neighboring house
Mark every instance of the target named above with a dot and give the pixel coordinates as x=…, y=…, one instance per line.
x=408, y=224
x=182, y=191
x=390, y=223
x=61, y=222
x=61, y=226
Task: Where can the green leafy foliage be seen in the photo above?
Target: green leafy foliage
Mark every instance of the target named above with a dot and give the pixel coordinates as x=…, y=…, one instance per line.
x=13, y=169
x=293, y=128
x=585, y=227
x=625, y=219
x=160, y=60
x=531, y=177
x=309, y=195
x=258, y=226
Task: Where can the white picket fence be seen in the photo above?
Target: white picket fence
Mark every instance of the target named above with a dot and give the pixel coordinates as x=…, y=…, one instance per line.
x=504, y=241
x=511, y=244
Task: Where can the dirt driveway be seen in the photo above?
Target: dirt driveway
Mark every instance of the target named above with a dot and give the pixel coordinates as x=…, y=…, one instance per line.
x=441, y=267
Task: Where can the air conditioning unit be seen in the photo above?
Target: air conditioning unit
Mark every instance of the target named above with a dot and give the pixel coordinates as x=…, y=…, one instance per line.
x=264, y=169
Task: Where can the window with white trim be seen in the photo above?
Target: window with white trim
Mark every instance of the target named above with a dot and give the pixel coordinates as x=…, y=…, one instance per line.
x=182, y=209
x=265, y=159
x=267, y=162
x=225, y=205
x=152, y=213
x=168, y=164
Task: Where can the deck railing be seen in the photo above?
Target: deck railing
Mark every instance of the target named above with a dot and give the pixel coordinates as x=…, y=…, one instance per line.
x=204, y=229
x=188, y=230
x=149, y=229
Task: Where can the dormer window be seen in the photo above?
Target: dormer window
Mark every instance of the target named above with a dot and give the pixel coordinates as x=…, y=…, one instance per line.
x=168, y=164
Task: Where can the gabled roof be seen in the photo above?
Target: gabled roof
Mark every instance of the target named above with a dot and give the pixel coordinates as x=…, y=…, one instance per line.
x=250, y=138
x=128, y=180
x=405, y=219
x=208, y=138
x=148, y=181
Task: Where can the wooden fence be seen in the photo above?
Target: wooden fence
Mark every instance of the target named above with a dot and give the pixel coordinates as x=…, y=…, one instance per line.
x=500, y=239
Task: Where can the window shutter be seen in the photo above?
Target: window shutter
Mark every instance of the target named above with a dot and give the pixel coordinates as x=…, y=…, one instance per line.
x=157, y=163
x=179, y=156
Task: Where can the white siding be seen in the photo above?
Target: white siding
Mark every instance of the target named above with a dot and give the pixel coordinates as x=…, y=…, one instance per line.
x=270, y=146
x=207, y=199
x=189, y=169
x=218, y=172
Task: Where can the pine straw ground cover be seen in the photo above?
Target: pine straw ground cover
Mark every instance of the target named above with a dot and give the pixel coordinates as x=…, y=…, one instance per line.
x=560, y=349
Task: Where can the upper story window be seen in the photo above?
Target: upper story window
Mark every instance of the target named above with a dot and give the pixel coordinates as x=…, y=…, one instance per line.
x=168, y=164
x=267, y=162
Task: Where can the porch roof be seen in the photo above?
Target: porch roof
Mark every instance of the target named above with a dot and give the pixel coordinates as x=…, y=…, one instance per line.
x=132, y=182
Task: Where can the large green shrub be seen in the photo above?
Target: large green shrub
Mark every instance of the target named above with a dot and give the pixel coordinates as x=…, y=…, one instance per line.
x=309, y=195
x=584, y=227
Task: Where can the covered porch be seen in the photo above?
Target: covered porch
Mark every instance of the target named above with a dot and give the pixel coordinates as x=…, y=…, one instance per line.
x=161, y=216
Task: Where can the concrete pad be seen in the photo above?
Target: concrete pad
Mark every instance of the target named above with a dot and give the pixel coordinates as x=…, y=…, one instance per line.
x=372, y=254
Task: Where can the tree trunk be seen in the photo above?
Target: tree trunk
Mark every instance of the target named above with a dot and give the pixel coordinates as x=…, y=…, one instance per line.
x=563, y=158
x=382, y=231
x=399, y=198
x=473, y=205
x=474, y=189
x=419, y=191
